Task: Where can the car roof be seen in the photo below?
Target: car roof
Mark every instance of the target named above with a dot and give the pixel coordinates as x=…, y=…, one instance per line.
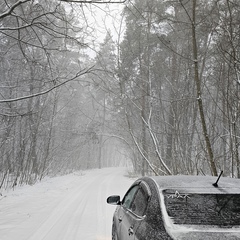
x=197, y=184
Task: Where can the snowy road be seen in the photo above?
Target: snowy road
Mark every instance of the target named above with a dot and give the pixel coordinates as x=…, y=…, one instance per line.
x=71, y=207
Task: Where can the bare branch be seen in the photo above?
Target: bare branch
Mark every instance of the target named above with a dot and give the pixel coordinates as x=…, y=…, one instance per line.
x=11, y=9
x=155, y=141
x=48, y=90
x=90, y=2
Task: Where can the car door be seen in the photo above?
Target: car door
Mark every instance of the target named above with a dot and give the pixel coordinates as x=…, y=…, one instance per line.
x=132, y=212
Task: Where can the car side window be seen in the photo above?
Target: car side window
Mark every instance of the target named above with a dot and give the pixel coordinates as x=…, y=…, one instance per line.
x=126, y=203
x=140, y=202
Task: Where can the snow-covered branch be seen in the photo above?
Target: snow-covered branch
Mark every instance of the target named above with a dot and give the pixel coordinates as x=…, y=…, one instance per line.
x=155, y=141
x=85, y=71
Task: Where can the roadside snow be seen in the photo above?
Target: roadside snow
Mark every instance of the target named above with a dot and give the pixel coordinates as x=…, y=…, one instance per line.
x=71, y=207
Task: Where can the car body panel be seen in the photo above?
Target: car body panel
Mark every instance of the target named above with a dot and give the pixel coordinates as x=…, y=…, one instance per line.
x=126, y=216
x=203, y=184
x=129, y=225
x=197, y=185
x=156, y=223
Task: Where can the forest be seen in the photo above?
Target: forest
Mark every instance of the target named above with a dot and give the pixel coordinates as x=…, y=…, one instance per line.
x=156, y=87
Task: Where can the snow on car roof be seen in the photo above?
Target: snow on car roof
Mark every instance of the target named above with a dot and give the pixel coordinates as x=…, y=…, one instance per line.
x=200, y=184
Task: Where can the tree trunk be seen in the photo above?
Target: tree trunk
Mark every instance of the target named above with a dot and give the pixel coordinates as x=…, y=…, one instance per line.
x=199, y=93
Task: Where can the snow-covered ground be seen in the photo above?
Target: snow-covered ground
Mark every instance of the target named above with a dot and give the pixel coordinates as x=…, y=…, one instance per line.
x=71, y=207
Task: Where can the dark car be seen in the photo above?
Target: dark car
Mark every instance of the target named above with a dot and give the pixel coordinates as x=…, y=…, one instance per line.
x=178, y=207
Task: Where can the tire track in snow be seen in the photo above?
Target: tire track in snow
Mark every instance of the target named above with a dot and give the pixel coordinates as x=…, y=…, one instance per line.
x=64, y=208
x=66, y=226
x=55, y=225
x=104, y=218
x=73, y=226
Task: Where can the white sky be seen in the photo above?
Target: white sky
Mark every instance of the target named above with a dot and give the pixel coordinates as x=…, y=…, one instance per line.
x=106, y=17
x=100, y=19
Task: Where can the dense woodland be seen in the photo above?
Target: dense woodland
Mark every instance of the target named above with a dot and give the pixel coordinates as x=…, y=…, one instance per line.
x=161, y=92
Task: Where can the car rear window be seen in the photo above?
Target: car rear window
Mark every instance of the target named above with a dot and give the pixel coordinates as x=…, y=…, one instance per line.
x=203, y=209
